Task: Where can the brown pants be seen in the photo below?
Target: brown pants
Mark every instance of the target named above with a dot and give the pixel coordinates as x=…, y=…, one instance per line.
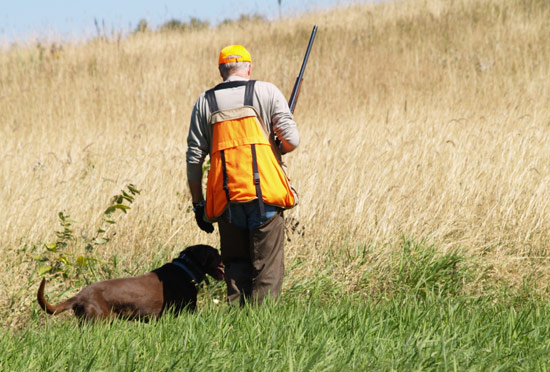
x=254, y=260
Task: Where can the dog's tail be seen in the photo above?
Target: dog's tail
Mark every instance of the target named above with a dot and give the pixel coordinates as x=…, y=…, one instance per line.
x=49, y=308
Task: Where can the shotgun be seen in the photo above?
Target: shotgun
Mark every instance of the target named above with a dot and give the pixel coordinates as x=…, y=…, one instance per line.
x=296, y=90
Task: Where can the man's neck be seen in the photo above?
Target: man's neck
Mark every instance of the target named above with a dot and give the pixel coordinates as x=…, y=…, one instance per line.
x=235, y=77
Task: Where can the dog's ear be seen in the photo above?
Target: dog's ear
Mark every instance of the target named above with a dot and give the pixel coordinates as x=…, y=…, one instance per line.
x=201, y=253
x=211, y=255
x=207, y=256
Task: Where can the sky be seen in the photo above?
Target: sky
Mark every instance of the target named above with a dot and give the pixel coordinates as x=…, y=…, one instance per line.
x=75, y=19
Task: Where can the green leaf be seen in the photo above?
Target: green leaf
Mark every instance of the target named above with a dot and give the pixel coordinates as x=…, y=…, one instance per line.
x=99, y=241
x=61, y=244
x=128, y=197
x=43, y=270
x=114, y=207
x=82, y=261
x=100, y=231
x=52, y=247
x=133, y=189
x=63, y=260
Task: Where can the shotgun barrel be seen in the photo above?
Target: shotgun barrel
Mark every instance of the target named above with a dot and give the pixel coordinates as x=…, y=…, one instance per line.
x=298, y=84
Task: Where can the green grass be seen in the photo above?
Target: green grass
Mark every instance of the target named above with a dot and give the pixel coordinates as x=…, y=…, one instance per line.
x=424, y=320
x=299, y=334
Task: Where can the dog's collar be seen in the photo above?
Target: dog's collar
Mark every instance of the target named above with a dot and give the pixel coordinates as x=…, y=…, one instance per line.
x=191, y=269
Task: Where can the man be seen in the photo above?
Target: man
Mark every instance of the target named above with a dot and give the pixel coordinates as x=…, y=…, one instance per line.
x=247, y=190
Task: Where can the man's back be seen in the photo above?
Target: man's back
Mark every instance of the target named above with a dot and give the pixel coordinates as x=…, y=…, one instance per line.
x=268, y=102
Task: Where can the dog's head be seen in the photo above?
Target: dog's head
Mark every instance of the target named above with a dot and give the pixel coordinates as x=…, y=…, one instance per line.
x=207, y=258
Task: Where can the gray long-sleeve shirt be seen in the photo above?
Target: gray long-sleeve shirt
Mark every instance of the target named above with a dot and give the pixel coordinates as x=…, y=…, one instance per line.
x=268, y=101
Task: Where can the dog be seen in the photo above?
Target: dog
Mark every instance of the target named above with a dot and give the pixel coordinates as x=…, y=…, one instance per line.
x=172, y=286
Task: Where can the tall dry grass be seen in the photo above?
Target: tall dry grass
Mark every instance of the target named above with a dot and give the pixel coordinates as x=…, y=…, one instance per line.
x=423, y=118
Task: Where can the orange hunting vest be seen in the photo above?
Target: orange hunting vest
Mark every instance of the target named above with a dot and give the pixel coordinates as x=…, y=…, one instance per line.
x=243, y=166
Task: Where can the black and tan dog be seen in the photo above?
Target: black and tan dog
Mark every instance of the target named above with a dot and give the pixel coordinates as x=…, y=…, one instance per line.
x=172, y=286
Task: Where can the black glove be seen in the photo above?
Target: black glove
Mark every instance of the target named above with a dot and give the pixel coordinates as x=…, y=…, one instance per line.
x=198, y=208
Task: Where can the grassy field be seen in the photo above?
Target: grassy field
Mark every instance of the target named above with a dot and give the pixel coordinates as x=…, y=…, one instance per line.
x=428, y=323
x=317, y=331
x=423, y=163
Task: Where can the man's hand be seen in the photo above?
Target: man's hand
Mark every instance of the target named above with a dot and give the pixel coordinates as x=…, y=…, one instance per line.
x=198, y=208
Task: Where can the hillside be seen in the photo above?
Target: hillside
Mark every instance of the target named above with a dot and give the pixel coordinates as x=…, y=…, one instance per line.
x=424, y=119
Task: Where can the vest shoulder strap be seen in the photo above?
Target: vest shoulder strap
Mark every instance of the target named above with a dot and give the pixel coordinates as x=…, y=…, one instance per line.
x=249, y=93
x=211, y=99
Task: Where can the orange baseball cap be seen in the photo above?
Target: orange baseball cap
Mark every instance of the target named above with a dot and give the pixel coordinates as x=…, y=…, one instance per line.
x=234, y=53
